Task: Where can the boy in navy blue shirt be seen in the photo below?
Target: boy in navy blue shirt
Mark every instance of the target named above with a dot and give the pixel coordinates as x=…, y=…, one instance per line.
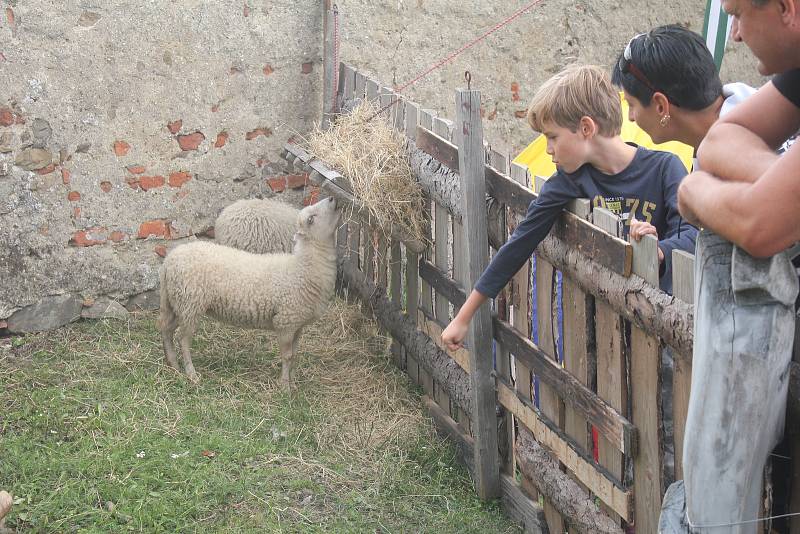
x=579, y=112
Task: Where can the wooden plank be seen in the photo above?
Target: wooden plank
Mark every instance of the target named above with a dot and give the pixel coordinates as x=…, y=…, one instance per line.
x=568, y=452
x=372, y=89
x=348, y=83
x=448, y=288
x=612, y=371
x=382, y=260
x=328, y=67
x=578, y=351
x=433, y=329
x=441, y=149
x=646, y=405
x=515, y=503
x=475, y=257
x=412, y=117
x=396, y=288
x=412, y=265
x=360, y=87
x=441, y=257
x=682, y=288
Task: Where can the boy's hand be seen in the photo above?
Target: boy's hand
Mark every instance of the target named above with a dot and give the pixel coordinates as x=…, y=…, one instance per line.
x=453, y=336
x=639, y=229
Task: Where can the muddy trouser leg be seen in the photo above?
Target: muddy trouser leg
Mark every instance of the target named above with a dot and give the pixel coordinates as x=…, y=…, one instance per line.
x=743, y=333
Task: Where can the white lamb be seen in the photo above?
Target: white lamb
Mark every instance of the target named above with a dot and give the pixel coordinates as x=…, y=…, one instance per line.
x=257, y=226
x=280, y=292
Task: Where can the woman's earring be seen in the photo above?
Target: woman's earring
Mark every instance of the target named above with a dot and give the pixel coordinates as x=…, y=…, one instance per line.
x=664, y=121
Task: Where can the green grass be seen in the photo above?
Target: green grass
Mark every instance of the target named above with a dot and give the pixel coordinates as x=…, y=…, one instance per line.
x=97, y=435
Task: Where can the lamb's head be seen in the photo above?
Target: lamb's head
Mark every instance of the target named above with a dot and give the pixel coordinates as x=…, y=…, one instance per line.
x=318, y=222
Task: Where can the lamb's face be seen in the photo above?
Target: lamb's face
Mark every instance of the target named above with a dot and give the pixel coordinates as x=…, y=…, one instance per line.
x=319, y=221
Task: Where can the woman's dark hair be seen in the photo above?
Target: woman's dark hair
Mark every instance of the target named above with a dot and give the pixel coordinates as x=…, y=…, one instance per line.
x=671, y=60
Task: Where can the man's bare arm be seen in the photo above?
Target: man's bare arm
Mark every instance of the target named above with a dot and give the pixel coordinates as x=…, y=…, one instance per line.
x=762, y=217
x=741, y=146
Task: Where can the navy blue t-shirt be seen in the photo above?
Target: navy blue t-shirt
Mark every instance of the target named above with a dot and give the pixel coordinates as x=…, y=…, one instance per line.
x=647, y=188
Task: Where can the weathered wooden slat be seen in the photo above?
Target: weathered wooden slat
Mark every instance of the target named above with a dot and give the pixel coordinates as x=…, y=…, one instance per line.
x=433, y=329
x=599, y=481
x=646, y=401
x=518, y=506
x=441, y=149
x=396, y=288
x=328, y=66
x=474, y=256
x=568, y=498
x=683, y=289
x=444, y=285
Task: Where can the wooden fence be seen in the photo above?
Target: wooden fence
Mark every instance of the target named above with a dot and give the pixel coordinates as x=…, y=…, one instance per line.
x=524, y=411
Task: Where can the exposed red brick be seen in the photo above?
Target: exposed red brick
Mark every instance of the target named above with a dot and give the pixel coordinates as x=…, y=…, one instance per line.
x=222, y=138
x=521, y=113
x=293, y=181
x=312, y=196
x=2, y=57
x=89, y=237
x=10, y=16
x=73, y=196
x=268, y=69
x=121, y=148
x=136, y=169
x=307, y=67
x=158, y=228
x=66, y=176
x=278, y=184
x=105, y=186
x=151, y=182
x=132, y=181
x=177, y=179
x=6, y=116
x=46, y=170
x=214, y=108
x=76, y=213
x=174, y=126
x=246, y=10
x=161, y=250
x=266, y=132
x=515, y=91
x=116, y=236
x=190, y=141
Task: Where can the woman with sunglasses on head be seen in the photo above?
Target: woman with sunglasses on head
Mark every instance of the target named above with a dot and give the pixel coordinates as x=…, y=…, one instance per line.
x=672, y=87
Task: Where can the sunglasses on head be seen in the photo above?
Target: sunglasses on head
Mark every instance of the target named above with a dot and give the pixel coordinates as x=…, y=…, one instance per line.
x=626, y=66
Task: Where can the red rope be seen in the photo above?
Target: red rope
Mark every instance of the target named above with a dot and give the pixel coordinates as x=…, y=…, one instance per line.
x=469, y=45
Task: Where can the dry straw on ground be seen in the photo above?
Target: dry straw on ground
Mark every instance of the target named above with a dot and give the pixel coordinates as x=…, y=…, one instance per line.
x=371, y=155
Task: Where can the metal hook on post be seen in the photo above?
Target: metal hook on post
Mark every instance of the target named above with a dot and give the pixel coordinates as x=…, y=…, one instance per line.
x=468, y=78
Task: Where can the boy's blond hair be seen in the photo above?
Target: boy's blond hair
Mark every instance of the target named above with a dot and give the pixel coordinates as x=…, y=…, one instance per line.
x=575, y=92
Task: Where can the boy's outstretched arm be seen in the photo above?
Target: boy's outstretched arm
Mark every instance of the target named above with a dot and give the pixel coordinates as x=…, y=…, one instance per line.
x=541, y=215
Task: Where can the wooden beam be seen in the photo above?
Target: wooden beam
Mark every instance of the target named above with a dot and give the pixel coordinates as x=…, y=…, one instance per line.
x=475, y=258
x=518, y=506
x=328, y=66
x=433, y=329
x=569, y=499
x=597, y=479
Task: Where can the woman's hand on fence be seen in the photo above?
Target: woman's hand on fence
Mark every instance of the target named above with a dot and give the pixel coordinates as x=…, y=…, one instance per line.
x=453, y=336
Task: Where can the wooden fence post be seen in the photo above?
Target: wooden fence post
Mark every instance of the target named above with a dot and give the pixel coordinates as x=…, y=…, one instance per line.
x=469, y=133
x=646, y=395
x=329, y=66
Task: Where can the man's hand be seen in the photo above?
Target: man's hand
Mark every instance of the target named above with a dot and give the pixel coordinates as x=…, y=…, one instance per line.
x=453, y=336
x=692, y=188
x=639, y=229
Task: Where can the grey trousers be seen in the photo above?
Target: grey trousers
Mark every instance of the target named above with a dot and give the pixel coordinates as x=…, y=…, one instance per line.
x=743, y=335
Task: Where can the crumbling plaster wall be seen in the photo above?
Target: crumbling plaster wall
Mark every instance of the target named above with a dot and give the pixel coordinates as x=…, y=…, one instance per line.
x=126, y=126
x=397, y=40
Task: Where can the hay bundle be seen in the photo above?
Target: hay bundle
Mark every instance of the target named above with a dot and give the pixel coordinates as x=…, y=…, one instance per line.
x=372, y=157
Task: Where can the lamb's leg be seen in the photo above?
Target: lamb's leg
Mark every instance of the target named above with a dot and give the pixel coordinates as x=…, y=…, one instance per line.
x=287, y=341
x=167, y=323
x=187, y=331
